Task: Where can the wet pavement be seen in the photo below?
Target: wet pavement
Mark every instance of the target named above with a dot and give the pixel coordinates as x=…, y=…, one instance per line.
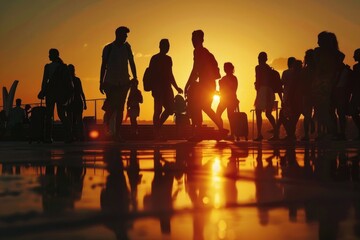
x=180, y=190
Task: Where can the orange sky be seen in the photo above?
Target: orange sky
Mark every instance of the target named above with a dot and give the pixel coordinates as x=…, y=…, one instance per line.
x=235, y=31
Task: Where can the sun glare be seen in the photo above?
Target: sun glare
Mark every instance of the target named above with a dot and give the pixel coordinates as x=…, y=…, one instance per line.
x=216, y=98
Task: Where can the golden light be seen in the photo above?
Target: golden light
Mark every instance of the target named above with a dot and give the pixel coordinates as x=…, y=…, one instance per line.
x=216, y=98
x=94, y=134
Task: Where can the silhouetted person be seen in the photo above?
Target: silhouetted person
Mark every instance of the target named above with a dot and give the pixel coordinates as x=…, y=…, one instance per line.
x=265, y=96
x=134, y=176
x=340, y=100
x=355, y=93
x=115, y=79
x=328, y=62
x=133, y=105
x=228, y=99
x=162, y=75
x=307, y=91
x=292, y=99
x=283, y=118
x=57, y=88
x=77, y=106
x=16, y=120
x=205, y=71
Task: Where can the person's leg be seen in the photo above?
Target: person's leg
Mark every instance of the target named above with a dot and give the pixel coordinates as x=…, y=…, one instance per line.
x=49, y=115
x=271, y=118
x=122, y=94
x=220, y=109
x=157, y=112
x=356, y=118
x=258, y=124
x=206, y=107
x=65, y=121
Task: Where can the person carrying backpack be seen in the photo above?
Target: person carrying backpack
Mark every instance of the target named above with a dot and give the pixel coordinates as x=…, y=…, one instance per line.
x=57, y=88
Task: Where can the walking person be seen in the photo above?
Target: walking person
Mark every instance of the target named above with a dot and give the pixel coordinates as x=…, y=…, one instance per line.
x=205, y=71
x=57, y=88
x=133, y=105
x=228, y=99
x=163, y=81
x=265, y=96
x=78, y=106
x=115, y=78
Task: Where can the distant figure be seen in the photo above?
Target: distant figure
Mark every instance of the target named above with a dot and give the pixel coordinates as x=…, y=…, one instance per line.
x=292, y=100
x=307, y=91
x=282, y=115
x=228, y=99
x=340, y=99
x=355, y=93
x=77, y=106
x=328, y=63
x=265, y=96
x=115, y=79
x=56, y=88
x=205, y=70
x=161, y=72
x=133, y=105
x=16, y=120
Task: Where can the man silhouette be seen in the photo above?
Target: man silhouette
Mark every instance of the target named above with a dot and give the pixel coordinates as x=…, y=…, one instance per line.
x=205, y=71
x=57, y=88
x=115, y=79
x=161, y=72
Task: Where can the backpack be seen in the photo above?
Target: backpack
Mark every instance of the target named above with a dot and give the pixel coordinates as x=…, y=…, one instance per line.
x=147, y=80
x=213, y=67
x=275, y=81
x=60, y=85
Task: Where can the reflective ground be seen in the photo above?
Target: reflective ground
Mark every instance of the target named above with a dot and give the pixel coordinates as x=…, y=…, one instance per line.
x=179, y=190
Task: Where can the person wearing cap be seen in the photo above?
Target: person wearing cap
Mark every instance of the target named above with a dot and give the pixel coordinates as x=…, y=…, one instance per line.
x=115, y=78
x=265, y=96
x=202, y=78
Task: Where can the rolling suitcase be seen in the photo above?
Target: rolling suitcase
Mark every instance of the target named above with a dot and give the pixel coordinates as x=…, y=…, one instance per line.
x=37, y=123
x=239, y=125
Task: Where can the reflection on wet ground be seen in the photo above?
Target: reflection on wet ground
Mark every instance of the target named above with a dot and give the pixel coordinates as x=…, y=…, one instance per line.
x=179, y=190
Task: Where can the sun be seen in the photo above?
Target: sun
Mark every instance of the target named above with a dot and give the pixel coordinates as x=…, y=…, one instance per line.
x=216, y=98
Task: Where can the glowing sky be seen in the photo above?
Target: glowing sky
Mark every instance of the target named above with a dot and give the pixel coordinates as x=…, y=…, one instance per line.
x=235, y=31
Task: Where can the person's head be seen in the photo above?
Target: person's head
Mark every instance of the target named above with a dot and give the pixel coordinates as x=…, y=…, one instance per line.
x=328, y=40
x=262, y=58
x=27, y=107
x=54, y=54
x=18, y=102
x=309, y=57
x=229, y=68
x=71, y=69
x=357, y=55
x=297, y=64
x=164, y=45
x=290, y=62
x=197, y=38
x=121, y=34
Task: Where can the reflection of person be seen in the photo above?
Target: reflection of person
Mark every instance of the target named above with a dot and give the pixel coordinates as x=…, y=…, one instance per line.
x=228, y=99
x=265, y=96
x=114, y=198
x=161, y=73
x=160, y=199
x=206, y=71
x=115, y=79
x=77, y=106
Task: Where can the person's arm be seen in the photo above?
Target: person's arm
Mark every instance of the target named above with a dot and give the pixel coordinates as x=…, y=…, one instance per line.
x=172, y=80
x=82, y=94
x=132, y=62
x=41, y=94
x=105, y=57
x=192, y=78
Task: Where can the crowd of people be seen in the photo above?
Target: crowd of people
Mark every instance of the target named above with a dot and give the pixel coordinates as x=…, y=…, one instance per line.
x=322, y=88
